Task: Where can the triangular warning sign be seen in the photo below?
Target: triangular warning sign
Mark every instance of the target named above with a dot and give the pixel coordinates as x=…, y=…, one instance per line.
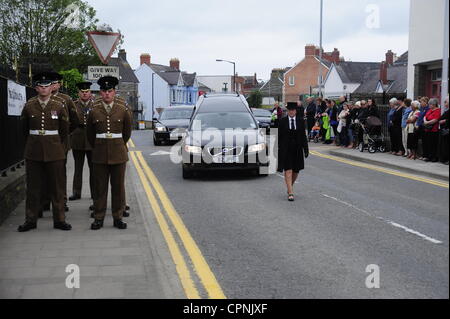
x=104, y=43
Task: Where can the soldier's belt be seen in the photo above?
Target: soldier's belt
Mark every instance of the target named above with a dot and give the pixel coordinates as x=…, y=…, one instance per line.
x=43, y=132
x=109, y=135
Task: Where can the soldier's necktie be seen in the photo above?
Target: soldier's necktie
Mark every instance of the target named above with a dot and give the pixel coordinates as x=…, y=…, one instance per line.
x=108, y=108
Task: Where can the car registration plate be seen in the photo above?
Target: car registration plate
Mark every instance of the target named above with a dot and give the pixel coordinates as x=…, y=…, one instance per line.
x=176, y=135
x=228, y=159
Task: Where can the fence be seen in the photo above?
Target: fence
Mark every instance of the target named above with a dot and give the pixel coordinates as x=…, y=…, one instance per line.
x=12, y=142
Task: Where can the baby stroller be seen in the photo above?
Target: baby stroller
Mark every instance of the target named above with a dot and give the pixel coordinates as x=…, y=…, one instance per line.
x=373, y=139
x=314, y=135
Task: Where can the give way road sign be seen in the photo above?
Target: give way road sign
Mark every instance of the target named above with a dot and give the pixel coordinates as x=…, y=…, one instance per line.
x=104, y=43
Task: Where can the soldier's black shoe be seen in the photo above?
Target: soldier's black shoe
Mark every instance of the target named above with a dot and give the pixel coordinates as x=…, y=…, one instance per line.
x=74, y=197
x=66, y=208
x=127, y=207
x=91, y=207
x=120, y=224
x=26, y=227
x=97, y=224
x=62, y=226
x=126, y=214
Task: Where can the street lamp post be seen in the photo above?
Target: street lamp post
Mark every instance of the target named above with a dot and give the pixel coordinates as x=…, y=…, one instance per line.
x=320, y=52
x=234, y=72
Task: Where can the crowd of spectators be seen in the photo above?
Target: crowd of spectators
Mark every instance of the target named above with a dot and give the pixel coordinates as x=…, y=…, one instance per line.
x=410, y=124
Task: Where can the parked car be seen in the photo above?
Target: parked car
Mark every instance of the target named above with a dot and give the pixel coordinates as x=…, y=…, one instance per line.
x=223, y=135
x=264, y=118
x=171, y=124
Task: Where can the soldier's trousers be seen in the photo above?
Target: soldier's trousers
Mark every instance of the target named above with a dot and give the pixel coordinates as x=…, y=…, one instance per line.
x=79, y=157
x=53, y=173
x=45, y=200
x=102, y=176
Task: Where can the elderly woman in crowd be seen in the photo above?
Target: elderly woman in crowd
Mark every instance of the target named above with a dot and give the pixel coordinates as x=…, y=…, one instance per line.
x=443, y=122
x=411, y=129
x=424, y=107
x=431, y=137
x=406, y=113
x=342, y=129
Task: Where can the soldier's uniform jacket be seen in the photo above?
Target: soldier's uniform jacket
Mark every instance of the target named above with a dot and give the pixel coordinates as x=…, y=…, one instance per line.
x=78, y=138
x=71, y=113
x=45, y=147
x=109, y=150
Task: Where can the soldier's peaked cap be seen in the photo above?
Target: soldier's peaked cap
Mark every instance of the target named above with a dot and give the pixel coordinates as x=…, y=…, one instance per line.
x=108, y=82
x=84, y=86
x=56, y=77
x=43, y=79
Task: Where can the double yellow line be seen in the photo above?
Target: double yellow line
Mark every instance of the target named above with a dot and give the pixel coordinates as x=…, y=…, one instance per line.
x=199, y=264
x=383, y=170
x=130, y=143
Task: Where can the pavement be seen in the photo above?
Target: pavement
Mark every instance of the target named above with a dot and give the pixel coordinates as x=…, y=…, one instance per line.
x=112, y=263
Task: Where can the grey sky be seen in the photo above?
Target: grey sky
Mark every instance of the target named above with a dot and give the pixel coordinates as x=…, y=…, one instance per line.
x=258, y=34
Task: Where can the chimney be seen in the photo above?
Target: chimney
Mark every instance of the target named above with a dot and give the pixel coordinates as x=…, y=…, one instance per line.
x=383, y=73
x=335, y=56
x=123, y=54
x=145, y=58
x=175, y=64
x=310, y=49
x=390, y=58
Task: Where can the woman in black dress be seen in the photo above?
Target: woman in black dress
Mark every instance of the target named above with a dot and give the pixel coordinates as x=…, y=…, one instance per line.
x=292, y=147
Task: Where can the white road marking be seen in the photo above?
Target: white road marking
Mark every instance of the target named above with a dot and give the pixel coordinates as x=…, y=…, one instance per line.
x=160, y=153
x=411, y=231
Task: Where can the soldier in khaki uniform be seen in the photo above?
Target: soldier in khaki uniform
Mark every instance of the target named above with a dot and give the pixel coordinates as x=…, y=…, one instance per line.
x=78, y=140
x=122, y=101
x=45, y=125
x=108, y=131
x=69, y=106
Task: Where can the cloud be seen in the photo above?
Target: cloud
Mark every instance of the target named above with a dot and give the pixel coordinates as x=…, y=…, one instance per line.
x=258, y=34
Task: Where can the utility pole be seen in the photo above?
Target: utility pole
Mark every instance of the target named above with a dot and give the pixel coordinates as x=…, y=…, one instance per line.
x=320, y=52
x=444, y=86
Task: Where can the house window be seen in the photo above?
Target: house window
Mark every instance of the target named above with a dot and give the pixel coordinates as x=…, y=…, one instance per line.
x=436, y=75
x=292, y=80
x=173, y=96
x=190, y=97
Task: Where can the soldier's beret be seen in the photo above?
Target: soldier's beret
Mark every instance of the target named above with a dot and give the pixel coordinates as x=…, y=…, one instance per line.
x=43, y=79
x=84, y=86
x=108, y=82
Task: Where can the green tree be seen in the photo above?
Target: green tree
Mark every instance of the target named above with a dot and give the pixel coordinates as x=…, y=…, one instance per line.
x=47, y=31
x=255, y=99
x=70, y=80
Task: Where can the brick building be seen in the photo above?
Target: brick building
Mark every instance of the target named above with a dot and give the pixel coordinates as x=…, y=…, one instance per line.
x=303, y=78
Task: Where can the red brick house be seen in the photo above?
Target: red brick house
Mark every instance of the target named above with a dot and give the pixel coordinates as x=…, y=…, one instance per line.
x=303, y=78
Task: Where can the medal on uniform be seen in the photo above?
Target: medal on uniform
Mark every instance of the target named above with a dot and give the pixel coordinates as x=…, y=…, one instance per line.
x=54, y=115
